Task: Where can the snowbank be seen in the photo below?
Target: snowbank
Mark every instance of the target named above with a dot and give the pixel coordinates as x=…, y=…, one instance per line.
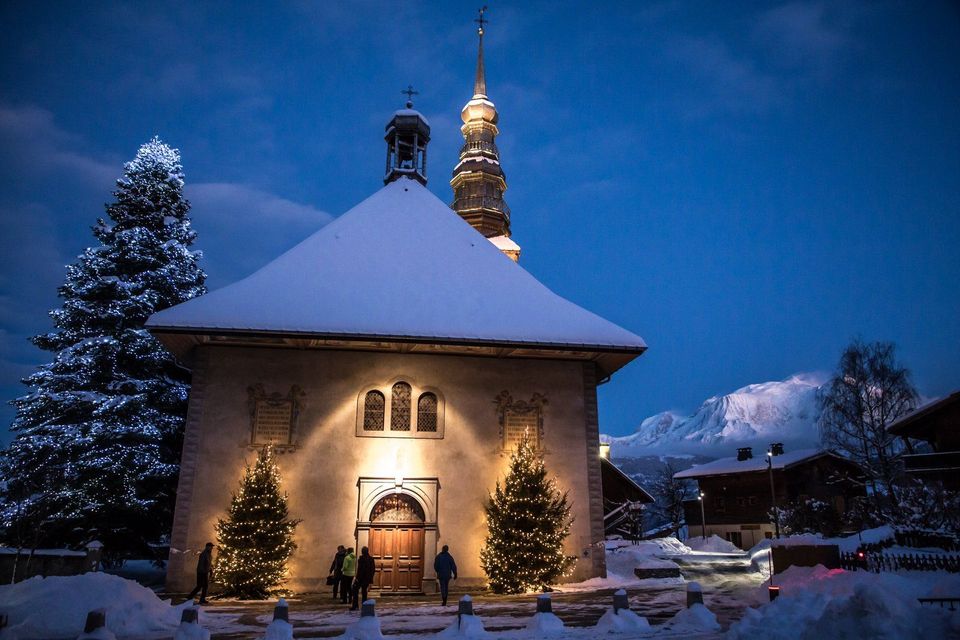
x=817, y=603
x=713, y=544
x=545, y=624
x=623, y=557
x=131, y=608
x=623, y=621
x=694, y=618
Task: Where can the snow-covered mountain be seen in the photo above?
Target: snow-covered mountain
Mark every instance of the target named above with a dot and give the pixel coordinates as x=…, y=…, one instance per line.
x=756, y=415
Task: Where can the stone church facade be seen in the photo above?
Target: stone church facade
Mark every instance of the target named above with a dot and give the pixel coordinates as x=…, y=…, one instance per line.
x=393, y=359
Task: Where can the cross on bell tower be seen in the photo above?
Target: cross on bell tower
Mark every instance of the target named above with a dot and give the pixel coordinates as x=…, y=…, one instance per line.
x=407, y=135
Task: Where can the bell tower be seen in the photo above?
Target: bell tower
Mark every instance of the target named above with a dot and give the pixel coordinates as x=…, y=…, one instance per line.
x=478, y=179
x=407, y=135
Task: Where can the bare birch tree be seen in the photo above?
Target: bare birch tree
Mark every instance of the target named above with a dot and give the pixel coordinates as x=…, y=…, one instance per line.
x=869, y=391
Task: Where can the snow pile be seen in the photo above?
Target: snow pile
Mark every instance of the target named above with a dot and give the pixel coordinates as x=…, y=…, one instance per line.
x=622, y=621
x=191, y=631
x=98, y=634
x=713, y=544
x=543, y=623
x=623, y=557
x=760, y=556
x=817, y=603
x=279, y=629
x=283, y=630
x=131, y=609
x=465, y=626
x=694, y=618
x=366, y=628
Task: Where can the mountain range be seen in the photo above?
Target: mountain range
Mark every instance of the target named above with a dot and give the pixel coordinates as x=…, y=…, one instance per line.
x=786, y=411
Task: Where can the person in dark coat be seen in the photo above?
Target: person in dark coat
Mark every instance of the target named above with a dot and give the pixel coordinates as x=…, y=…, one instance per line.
x=336, y=569
x=204, y=573
x=446, y=569
x=366, y=569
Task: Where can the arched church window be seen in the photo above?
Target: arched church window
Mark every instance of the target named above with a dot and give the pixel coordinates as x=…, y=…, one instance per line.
x=373, y=411
x=400, y=407
x=427, y=412
x=397, y=507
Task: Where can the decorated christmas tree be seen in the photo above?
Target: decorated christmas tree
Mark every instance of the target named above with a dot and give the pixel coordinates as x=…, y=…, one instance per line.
x=97, y=440
x=528, y=519
x=256, y=539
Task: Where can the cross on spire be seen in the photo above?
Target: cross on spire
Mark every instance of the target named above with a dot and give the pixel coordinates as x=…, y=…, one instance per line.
x=481, y=20
x=410, y=93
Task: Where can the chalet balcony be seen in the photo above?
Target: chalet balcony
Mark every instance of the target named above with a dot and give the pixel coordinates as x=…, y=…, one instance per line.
x=932, y=462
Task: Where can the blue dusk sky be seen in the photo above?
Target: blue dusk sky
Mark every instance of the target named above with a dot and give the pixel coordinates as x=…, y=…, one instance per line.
x=748, y=186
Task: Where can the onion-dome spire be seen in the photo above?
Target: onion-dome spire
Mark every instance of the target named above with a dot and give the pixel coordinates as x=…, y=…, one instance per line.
x=478, y=179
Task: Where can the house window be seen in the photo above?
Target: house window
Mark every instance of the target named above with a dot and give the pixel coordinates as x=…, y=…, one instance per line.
x=373, y=410
x=400, y=407
x=427, y=413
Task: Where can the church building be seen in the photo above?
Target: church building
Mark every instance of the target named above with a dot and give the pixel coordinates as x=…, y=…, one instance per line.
x=393, y=359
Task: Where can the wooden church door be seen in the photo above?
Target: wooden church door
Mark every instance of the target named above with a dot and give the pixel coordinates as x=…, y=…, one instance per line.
x=396, y=544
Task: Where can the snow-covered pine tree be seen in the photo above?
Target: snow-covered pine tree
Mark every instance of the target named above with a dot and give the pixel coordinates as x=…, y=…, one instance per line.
x=97, y=441
x=528, y=519
x=256, y=539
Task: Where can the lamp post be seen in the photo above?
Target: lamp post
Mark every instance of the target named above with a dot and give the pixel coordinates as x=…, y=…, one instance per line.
x=773, y=493
x=703, y=517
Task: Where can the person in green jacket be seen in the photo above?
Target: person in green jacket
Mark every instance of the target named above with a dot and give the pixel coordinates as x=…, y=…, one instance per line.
x=349, y=572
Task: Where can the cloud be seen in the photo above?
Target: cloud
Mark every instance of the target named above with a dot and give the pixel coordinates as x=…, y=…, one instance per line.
x=803, y=34
x=241, y=227
x=721, y=80
x=31, y=141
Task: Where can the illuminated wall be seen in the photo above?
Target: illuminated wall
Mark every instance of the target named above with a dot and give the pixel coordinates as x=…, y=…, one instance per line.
x=321, y=474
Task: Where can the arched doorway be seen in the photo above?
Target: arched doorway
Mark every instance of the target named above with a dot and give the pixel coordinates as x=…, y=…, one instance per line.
x=396, y=543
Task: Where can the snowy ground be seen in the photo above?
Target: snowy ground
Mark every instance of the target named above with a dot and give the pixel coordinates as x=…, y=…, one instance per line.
x=734, y=593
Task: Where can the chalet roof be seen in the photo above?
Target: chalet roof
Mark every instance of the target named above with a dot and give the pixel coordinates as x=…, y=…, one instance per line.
x=729, y=466
x=399, y=265
x=921, y=422
x=619, y=486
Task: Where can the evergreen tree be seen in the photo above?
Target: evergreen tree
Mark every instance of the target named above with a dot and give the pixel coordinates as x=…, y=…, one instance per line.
x=256, y=539
x=527, y=519
x=98, y=438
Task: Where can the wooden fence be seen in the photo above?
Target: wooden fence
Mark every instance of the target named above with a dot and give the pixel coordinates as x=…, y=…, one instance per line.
x=877, y=562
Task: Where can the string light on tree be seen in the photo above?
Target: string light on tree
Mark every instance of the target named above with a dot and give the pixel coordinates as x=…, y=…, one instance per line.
x=528, y=519
x=256, y=538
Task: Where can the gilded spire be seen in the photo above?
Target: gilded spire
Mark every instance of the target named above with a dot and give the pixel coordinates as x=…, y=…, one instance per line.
x=478, y=179
x=480, y=84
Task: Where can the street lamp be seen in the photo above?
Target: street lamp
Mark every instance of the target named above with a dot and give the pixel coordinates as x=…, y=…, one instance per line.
x=703, y=517
x=777, y=447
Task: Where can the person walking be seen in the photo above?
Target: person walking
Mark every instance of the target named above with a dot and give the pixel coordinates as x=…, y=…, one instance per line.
x=446, y=569
x=348, y=570
x=204, y=573
x=366, y=569
x=336, y=569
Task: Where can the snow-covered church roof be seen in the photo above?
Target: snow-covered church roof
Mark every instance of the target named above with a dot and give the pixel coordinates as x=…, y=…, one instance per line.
x=401, y=265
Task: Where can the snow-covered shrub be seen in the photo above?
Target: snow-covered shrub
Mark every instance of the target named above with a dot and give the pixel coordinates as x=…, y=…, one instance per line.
x=809, y=516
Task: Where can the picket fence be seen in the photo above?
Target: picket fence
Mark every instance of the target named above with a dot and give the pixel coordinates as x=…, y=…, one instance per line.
x=878, y=562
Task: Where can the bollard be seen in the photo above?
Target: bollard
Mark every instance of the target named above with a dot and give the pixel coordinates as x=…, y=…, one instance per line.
x=620, y=601
x=694, y=594
x=281, y=611
x=544, y=605
x=95, y=619
x=190, y=615
x=466, y=606
x=367, y=609
x=774, y=592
